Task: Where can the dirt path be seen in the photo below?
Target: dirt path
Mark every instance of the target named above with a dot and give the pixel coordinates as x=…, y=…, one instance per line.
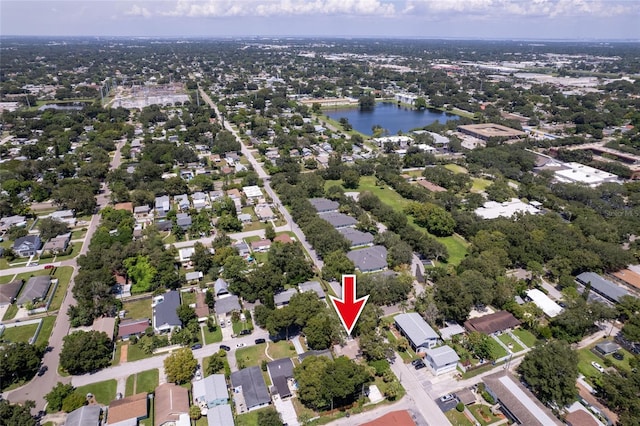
x=123, y=353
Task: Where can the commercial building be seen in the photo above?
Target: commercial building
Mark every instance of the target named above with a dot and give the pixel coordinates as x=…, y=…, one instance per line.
x=419, y=334
x=587, y=175
x=493, y=209
x=489, y=130
x=603, y=287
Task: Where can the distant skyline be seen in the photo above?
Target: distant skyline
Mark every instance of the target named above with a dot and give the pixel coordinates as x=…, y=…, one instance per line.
x=488, y=19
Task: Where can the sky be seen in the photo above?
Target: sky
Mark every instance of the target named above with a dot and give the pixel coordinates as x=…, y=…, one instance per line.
x=484, y=19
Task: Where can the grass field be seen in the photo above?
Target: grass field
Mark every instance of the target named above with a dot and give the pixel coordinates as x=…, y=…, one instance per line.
x=138, y=309
x=11, y=312
x=188, y=297
x=212, y=337
x=145, y=381
x=482, y=413
x=75, y=250
x=457, y=418
x=254, y=355
x=525, y=336
x=585, y=357
x=455, y=168
x=104, y=392
x=497, y=351
x=6, y=279
x=479, y=184
x=19, y=334
x=45, y=331
x=456, y=247
x=250, y=418
x=63, y=274
x=508, y=340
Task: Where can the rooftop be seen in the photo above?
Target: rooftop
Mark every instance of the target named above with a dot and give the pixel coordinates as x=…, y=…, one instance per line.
x=369, y=259
x=88, y=415
x=488, y=130
x=489, y=324
x=544, y=302
x=395, y=418
x=324, y=205
x=442, y=355
x=171, y=401
x=312, y=286
x=416, y=328
x=355, y=237
x=602, y=286
x=130, y=407
x=227, y=304
x=9, y=292
x=253, y=387
x=338, y=220
x=220, y=415
x=493, y=209
x=284, y=297
x=36, y=288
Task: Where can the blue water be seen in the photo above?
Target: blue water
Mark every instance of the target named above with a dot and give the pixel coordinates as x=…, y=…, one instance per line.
x=389, y=116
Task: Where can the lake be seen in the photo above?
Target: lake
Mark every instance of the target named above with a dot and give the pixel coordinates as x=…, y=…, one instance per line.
x=390, y=117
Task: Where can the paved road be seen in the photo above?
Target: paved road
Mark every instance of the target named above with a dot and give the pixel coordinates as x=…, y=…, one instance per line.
x=267, y=187
x=37, y=388
x=236, y=236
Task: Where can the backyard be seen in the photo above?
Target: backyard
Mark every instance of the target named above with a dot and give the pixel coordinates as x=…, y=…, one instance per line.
x=104, y=392
x=511, y=344
x=145, y=381
x=212, y=336
x=19, y=334
x=138, y=309
x=525, y=337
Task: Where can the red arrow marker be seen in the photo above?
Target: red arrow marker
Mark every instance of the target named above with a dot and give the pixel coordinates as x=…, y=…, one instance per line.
x=349, y=308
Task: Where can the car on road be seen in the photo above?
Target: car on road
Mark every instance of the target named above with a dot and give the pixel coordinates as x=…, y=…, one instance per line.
x=259, y=341
x=420, y=365
x=241, y=345
x=245, y=332
x=49, y=266
x=618, y=356
x=33, y=264
x=417, y=361
x=196, y=346
x=225, y=348
x=447, y=398
x=42, y=370
x=597, y=366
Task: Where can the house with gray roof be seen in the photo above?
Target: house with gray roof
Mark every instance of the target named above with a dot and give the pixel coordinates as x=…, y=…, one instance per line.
x=517, y=402
x=250, y=383
x=312, y=286
x=220, y=415
x=210, y=391
x=35, y=290
x=280, y=371
x=607, y=347
x=419, y=334
x=10, y=221
x=226, y=305
x=370, y=259
x=323, y=352
x=283, y=298
x=243, y=248
x=441, y=360
x=9, y=292
x=193, y=276
x=163, y=205
x=87, y=415
x=27, y=246
x=183, y=220
x=356, y=238
x=603, y=287
x=220, y=288
x=165, y=315
x=58, y=244
x=182, y=201
x=324, y=205
x=338, y=220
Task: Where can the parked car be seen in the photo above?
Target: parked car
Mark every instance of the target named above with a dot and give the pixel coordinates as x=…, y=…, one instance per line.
x=225, y=348
x=196, y=346
x=241, y=345
x=258, y=341
x=597, y=366
x=618, y=356
x=447, y=397
x=245, y=332
x=417, y=361
x=49, y=266
x=42, y=370
x=420, y=365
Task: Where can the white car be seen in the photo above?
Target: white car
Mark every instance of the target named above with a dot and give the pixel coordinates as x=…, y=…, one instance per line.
x=240, y=345
x=597, y=366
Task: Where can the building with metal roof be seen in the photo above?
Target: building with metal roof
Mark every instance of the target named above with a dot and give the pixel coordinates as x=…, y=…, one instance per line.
x=210, y=391
x=441, y=360
x=323, y=205
x=420, y=334
x=356, y=238
x=544, y=302
x=338, y=220
x=603, y=287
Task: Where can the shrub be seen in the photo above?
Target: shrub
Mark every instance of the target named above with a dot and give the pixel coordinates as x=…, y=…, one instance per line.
x=460, y=407
x=487, y=397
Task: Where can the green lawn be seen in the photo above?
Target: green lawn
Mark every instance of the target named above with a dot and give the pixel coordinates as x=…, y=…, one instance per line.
x=63, y=274
x=75, y=250
x=135, y=353
x=138, y=309
x=238, y=326
x=479, y=184
x=19, y=334
x=145, y=381
x=104, y=392
x=525, y=336
x=624, y=364
x=6, y=279
x=585, y=357
x=45, y=331
x=212, y=337
x=254, y=355
x=11, y=312
x=368, y=183
x=497, y=350
x=457, y=418
x=250, y=418
x=455, y=168
x=506, y=339
x=188, y=298
x=482, y=413
x=79, y=234
x=456, y=247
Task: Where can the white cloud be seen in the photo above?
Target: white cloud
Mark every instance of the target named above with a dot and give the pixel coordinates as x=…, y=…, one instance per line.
x=138, y=11
x=268, y=8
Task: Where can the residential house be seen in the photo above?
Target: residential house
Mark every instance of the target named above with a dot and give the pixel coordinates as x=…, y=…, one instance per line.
x=243, y=248
x=128, y=411
x=220, y=415
x=182, y=201
x=184, y=254
x=517, y=402
x=430, y=186
x=628, y=278
x=607, y=348
x=163, y=205
x=202, y=309
x=225, y=306
x=9, y=292
x=252, y=192
x=57, y=245
x=106, y=325
x=356, y=238
x=419, y=334
x=142, y=214
x=35, y=290
x=210, y=391
x=264, y=212
x=497, y=322
x=220, y=288
x=11, y=221
x=193, y=277
x=281, y=371
x=183, y=220
x=66, y=216
x=441, y=360
x=312, y=286
x=171, y=407
x=339, y=220
x=27, y=246
x=260, y=245
x=165, y=317
x=603, y=287
x=164, y=225
x=283, y=238
x=370, y=259
x=245, y=218
x=132, y=327
x=199, y=200
x=323, y=352
x=282, y=299
x=544, y=302
x=250, y=383
x=87, y=415
x=395, y=418
x=215, y=195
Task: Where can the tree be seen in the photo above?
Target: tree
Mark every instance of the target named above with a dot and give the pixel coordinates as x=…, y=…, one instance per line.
x=141, y=272
x=180, y=366
x=20, y=361
x=195, y=412
x=201, y=258
x=269, y=417
x=335, y=265
x=480, y=345
x=85, y=351
x=186, y=314
x=216, y=363
x=367, y=102
x=73, y=401
x=16, y=414
x=57, y=395
x=50, y=228
x=77, y=196
x=269, y=232
x=452, y=299
x=350, y=178
x=551, y=371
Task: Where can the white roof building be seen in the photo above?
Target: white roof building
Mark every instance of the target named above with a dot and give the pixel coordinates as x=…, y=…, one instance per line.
x=252, y=191
x=579, y=173
x=493, y=209
x=542, y=301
